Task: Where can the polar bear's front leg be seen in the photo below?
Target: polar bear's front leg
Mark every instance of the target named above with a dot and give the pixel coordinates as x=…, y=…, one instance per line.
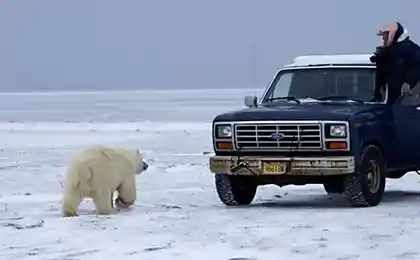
x=102, y=202
x=71, y=202
x=127, y=193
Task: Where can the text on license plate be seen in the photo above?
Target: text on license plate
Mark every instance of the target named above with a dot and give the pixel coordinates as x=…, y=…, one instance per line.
x=274, y=167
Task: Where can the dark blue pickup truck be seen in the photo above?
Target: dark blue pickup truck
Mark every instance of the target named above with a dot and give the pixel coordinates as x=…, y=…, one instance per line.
x=315, y=124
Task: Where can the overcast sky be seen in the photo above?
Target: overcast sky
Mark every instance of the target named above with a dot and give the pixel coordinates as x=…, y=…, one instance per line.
x=137, y=44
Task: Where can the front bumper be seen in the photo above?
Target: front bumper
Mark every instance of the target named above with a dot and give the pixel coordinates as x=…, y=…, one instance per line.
x=255, y=165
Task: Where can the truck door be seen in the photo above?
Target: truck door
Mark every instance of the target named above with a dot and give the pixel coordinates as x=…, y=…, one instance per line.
x=406, y=115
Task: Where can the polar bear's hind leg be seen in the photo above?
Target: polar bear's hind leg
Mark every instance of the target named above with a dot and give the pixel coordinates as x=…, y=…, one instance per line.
x=103, y=204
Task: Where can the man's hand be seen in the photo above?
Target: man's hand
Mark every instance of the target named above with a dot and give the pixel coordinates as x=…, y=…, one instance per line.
x=378, y=54
x=406, y=90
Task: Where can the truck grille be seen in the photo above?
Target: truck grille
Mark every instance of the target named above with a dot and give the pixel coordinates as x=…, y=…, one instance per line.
x=293, y=136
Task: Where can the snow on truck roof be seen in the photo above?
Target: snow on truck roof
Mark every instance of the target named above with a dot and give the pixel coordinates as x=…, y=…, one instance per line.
x=340, y=59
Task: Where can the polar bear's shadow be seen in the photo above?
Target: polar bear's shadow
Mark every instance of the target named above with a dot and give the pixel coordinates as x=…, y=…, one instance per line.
x=87, y=208
x=92, y=212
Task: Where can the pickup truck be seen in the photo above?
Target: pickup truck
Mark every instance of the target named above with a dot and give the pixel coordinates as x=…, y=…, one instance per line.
x=316, y=124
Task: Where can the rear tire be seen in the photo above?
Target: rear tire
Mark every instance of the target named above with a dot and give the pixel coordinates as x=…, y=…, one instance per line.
x=235, y=190
x=365, y=188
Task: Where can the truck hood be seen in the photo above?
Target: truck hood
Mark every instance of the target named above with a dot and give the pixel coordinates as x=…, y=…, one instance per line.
x=303, y=111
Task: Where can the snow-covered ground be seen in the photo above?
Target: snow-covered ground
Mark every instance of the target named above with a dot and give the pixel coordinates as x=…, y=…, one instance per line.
x=178, y=214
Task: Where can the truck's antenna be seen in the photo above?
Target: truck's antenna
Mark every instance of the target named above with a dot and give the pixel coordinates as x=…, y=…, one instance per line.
x=253, y=67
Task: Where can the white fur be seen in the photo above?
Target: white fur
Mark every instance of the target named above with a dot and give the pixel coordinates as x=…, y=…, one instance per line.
x=403, y=36
x=96, y=173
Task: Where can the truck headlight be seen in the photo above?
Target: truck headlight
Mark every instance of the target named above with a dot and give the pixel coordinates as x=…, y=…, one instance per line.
x=224, y=131
x=337, y=130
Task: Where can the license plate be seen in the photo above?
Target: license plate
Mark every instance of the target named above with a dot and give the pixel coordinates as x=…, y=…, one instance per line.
x=274, y=167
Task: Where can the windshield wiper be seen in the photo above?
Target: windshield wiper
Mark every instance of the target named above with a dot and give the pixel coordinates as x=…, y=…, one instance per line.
x=283, y=98
x=340, y=98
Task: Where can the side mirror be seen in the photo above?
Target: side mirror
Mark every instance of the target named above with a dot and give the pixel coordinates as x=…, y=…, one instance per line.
x=251, y=101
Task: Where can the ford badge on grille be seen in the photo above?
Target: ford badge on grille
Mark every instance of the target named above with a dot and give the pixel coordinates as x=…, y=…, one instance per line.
x=277, y=136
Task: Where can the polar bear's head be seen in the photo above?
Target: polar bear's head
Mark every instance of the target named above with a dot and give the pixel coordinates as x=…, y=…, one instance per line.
x=141, y=164
x=134, y=156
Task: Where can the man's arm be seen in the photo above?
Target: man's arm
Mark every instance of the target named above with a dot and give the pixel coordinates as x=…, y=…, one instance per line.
x=380, y=58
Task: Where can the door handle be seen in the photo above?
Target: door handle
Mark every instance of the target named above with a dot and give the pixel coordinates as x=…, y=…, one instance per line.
x=418, y=108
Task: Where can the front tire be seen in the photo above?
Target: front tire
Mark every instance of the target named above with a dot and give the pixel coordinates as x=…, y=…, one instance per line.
x=334, y=185
x=365, y=187
x=235, y=190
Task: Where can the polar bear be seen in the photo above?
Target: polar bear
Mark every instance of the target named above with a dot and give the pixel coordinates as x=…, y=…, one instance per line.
x=96, y=173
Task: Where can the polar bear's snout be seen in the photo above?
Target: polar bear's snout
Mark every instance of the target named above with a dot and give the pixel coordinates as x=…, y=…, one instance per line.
x=145, y=166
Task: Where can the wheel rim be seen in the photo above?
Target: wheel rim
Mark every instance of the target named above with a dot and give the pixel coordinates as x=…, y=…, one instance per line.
x=373, y=176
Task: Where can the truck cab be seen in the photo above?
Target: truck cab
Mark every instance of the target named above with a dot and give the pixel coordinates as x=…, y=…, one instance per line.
x=316, y=124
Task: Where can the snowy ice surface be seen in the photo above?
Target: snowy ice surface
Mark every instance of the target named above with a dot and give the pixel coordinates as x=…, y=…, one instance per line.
x=178, y=214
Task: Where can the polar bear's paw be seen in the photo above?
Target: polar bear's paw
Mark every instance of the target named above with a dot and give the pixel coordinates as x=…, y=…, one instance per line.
x=119, y=203
x=68, y=213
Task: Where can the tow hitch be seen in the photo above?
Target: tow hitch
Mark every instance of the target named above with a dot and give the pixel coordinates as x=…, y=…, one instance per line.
x=241, y=164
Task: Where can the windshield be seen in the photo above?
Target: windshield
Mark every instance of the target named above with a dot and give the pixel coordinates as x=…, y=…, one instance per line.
x=354, y=83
